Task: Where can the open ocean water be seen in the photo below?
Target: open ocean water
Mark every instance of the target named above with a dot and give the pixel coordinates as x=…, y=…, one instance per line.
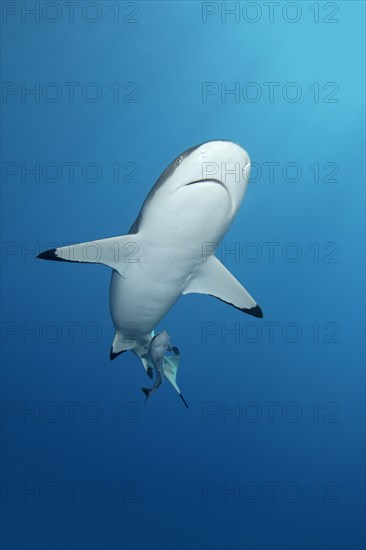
x=97, y=99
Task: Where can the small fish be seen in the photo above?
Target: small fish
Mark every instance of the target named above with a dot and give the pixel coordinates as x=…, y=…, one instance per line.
x=158, y=348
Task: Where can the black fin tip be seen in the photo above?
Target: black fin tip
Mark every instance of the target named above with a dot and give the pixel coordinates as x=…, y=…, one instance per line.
x=50, y=255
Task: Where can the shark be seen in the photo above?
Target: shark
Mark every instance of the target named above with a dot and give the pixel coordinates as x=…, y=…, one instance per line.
x=169, y=250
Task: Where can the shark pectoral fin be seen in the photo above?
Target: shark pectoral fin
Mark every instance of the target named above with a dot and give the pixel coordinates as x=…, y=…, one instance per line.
x=170, y=367
x=119, y=253
x=214, y=279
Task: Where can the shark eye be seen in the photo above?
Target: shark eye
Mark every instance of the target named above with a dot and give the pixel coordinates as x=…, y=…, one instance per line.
x=179, y=160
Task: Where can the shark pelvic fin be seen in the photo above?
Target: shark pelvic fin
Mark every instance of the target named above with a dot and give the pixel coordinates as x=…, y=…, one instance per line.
x=120, y=344
x=214, y=279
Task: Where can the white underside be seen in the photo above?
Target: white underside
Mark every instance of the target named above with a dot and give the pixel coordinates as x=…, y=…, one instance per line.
x=171, y=244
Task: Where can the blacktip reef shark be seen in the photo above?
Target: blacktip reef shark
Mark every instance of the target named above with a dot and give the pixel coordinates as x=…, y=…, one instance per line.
x=165, y=252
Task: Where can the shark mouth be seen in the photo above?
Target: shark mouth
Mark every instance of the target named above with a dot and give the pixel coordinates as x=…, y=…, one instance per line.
x=205, y=180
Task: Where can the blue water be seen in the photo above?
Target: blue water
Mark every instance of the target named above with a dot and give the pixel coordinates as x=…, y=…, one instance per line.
x=270, y=454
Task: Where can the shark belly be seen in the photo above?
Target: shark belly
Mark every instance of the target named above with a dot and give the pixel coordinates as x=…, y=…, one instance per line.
x=174, y=239
x=139, y=302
